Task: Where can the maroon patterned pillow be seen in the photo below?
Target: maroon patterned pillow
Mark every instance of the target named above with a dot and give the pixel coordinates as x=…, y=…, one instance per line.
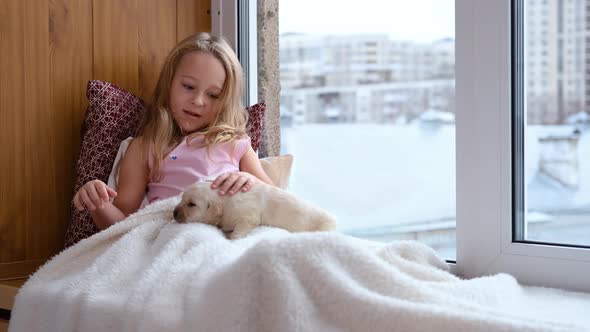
x=254, y=126
x=114, y=114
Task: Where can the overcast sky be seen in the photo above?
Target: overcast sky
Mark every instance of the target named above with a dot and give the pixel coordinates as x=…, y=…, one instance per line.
x=418, y=20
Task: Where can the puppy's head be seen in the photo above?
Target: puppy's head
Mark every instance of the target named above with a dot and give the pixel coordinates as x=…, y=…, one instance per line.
x=199, y=204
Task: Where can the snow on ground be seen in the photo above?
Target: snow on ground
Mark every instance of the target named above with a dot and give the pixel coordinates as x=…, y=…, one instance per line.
x=372, y=175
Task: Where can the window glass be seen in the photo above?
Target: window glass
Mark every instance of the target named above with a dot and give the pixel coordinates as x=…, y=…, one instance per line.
x=367, y=110
x=557, y=132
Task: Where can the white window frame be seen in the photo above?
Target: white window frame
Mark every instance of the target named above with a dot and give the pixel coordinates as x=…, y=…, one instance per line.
x=484, y=160
x=484, y=173
x=241, y=34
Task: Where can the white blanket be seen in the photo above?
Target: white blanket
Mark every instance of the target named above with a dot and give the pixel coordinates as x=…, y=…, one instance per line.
x=148, y=273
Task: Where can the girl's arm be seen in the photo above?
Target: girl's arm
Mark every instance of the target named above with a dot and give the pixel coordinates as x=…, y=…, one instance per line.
x=133, y=179
x=250, y=171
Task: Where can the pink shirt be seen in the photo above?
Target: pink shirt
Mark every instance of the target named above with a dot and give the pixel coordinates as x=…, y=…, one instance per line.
x=187, y=164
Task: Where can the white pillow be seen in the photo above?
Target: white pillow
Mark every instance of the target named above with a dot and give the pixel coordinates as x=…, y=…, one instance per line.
x=277, y=168
x=114, y=176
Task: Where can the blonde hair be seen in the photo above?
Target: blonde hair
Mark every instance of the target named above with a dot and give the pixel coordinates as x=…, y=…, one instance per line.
x=159, y=130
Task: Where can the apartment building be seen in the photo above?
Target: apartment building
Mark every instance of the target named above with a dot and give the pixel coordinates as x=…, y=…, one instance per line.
x=364, y=78
x=372, y=77
x=557, y=59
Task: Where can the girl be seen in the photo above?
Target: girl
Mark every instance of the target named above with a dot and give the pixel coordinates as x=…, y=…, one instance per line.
x=194, y=130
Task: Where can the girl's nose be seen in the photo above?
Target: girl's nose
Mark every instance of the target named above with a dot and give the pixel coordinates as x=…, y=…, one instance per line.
x=198, y=100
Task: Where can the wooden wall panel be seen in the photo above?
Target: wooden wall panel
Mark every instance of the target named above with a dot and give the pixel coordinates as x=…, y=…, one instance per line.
x=39, y=157
x=27, y=164
x=70, y=44
x=50, y=49
x=12, y=117
x=115, y=38
x=157, y=36
x=193, y=16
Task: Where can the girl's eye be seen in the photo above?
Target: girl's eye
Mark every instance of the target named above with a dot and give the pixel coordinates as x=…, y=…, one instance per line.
x=191, y=204
x=188, y=87
x=214, y=96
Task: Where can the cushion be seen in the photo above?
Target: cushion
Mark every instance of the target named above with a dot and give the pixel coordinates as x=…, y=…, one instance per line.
x=278, y=169
x=254, y=125
x=114, y=114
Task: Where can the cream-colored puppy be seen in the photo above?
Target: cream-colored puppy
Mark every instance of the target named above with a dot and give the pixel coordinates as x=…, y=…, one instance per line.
x=239, y=214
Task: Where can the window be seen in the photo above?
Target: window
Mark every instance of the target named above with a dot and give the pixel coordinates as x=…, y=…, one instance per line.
x=555, y=174
x=491, y=80
x=236, y=22
x=495, y=232
x=373, y=134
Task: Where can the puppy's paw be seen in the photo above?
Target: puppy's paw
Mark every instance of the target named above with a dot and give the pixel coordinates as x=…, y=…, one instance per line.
x=235, y=235
x=227, y=234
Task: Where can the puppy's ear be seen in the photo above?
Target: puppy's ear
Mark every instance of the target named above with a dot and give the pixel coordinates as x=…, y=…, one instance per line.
x=215, y=208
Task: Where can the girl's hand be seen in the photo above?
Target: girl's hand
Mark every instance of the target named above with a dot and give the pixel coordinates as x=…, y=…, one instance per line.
x=231, y=183
x=93, y=195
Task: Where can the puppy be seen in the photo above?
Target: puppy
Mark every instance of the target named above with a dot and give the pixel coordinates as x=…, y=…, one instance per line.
x=239, y=214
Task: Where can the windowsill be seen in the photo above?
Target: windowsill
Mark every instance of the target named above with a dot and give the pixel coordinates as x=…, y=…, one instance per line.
x=8, y=290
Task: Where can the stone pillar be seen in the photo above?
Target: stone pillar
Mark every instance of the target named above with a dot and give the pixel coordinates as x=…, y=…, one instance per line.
x=269, y=75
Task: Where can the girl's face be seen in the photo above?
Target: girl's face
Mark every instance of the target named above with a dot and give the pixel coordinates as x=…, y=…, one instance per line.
x=195, y=91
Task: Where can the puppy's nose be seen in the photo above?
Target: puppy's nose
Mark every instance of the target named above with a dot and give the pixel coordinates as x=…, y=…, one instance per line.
x=175, y=213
